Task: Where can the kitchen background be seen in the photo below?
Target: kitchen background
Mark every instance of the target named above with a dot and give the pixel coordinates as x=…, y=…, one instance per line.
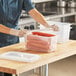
x=53, y=10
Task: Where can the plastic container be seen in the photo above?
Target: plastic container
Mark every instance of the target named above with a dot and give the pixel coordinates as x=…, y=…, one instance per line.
x=63, y=33
x=41, y=41
x=20, y=56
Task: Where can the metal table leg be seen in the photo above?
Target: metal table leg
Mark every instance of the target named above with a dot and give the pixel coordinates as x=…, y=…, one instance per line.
x=43, y=71
x=46, y=70
x=14, y=75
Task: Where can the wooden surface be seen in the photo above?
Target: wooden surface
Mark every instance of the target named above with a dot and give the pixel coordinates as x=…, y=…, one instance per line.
x=63, y=50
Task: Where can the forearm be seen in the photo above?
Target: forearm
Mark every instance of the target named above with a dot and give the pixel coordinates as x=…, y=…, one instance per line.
x=38, y=17
x=6, y=30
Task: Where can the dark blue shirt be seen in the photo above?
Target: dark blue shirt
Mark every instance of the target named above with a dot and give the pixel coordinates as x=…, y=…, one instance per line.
x=10, y=11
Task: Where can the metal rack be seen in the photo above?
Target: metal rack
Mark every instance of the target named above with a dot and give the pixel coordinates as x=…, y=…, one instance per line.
x=41, y=1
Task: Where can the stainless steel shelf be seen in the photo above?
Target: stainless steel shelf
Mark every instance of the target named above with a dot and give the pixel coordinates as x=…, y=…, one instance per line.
x=41, y=1
x=59, y=16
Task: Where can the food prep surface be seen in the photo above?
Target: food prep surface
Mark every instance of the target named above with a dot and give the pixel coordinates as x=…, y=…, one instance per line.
x=63, y=50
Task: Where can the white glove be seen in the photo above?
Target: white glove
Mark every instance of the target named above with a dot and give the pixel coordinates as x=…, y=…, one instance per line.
x=19, y=33
x=54, y=27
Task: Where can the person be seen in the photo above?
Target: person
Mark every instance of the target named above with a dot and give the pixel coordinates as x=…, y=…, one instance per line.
x=10, y=11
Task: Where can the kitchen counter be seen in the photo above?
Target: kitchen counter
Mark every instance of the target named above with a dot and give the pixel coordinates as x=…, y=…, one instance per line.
x=14, y=67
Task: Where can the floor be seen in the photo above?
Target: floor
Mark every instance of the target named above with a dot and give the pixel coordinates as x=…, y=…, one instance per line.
x=65, y=67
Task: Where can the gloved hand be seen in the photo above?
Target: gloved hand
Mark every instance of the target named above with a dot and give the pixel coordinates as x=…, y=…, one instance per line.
x=19, y=33
x=7, y=30
x=54, y=27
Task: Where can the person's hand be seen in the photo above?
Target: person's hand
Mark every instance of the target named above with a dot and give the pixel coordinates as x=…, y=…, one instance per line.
x=54, y=27
x=19, y=33
x=22, y=32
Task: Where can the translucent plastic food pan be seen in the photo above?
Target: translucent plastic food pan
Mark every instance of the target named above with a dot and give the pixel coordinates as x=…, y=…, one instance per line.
x=40, y=41
x=63, y=33
x=20, y=56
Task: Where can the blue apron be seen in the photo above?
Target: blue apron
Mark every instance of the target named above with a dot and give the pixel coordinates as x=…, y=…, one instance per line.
x=10, y=11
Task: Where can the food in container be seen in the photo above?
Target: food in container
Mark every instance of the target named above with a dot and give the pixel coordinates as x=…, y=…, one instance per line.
x=41, y=41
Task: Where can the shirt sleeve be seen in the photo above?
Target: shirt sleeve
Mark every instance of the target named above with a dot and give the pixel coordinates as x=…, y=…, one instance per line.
x=27, y=5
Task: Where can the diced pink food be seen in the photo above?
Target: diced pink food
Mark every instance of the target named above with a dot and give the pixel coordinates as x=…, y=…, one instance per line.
x=39, y=38
x=37, y=48
x=40, y=42
x=38, y=45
